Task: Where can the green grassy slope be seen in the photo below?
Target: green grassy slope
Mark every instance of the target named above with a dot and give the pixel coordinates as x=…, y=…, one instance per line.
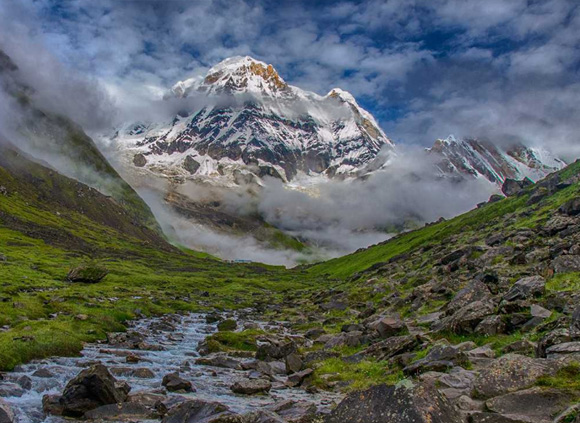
x=434, y=234
x=50, y=223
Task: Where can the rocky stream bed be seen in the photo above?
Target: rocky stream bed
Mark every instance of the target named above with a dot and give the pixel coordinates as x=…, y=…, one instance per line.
x=166, y=346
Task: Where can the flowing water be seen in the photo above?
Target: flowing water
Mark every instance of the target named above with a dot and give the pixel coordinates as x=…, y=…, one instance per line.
x=179, y=354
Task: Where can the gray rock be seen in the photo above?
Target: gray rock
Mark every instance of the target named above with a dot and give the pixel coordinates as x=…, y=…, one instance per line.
x=174, y=383
x=509, y=373
x=539, y=311
x=491, y=325
x=251, y=387
x=575, y=323
x=6, y=413
x=566, y=348
x=219, y=360
x=512, y=187
x=9, y=389
x=293, y=363
x=566, y=264
x=536, y=404
x=314, y=333
x=526, y=288
x=388, y=326
x=403, y=403
x=474, y=291
x=296, y=379
x=295, y=411
x=92, y=388
x=466, y=319
x=388, y=348
x=122, y=412
x=261, y=416
x=571, y=207
x=274, y=349
x=195, y=411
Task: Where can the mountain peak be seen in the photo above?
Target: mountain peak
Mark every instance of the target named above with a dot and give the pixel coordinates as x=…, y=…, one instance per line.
x=239, y=74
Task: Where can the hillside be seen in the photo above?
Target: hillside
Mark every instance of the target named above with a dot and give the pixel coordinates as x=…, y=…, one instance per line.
x=50, y=224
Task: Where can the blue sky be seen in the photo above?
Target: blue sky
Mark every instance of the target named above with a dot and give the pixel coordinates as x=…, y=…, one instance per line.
x=507, y=70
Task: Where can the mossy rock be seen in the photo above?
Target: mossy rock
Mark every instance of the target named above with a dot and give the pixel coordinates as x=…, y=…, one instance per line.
x=227, y=325
x=87, y=274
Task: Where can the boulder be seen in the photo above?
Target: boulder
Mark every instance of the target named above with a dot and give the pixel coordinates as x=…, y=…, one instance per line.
x=439, y=358
x=466, y=319
x=539, y=311
x=293, y=363
x=388, y=326
x=130, y=339
x=512, y=187
x=297, y=378
x=251, y=386
x=474, y=291
x=525, y=288
x=509, y=373
x=262, y=416
x=6, y=413
x=122, y=412
x=491, y=325
x=534, y=404
x=557, y=336
x=51, y=405
x=314, y=333
x=194, y=411
x=401, y=403
x=571, y=207
x=566, y=264
x=388, y=348
x=295, y=411
x=92, y=388
x=270, y=349
x=219, y=360
x=9, y=389
x=87, y=273
x=559, y=350
x=173, y=383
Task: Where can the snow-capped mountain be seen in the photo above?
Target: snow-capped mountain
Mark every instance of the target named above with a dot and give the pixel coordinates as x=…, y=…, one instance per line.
x=250, y=123
x=477, y=158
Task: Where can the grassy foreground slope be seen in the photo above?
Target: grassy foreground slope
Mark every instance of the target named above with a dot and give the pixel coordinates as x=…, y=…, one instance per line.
x=50, y=224
x=488, y=219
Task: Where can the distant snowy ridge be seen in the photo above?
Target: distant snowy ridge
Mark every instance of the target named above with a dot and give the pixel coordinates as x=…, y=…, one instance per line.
x=477, y=158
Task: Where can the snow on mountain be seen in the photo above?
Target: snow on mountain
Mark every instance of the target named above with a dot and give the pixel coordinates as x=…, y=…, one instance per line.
x=250, y=124
x=477, y=158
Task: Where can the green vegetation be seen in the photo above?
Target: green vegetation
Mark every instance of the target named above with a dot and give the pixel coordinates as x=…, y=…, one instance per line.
x=234, y=341
x=567, y=378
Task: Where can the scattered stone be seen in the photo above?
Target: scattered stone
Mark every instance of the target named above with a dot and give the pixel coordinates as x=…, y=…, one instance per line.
x=6, y=414
x=512, y=187
x=90, y=389
x=402, y=403
x=271, y=349
x=535, y=404
x=571, y=207
x=43, y=373
x=525, y=288
x=295, y=411
x=491, y=325
x=122, y=412
x=566, y=264
x=195, y=411
x=296, y=379
x=539, y=311
x=314, y=333
x=219, y=360
x=174, y=383
x=251, y=387
x=293, y=363
x=8, y=389
x=388, y=326
x=510, y=373
x=51, y=405
x=564, y=349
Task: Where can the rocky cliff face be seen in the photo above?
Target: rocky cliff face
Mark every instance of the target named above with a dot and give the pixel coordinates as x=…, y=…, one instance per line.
x=252, y=121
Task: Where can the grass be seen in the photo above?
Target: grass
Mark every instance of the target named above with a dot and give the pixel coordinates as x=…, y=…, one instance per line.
x=357, y=376
x=564, y=282
x=567, y=378
x=234, y=341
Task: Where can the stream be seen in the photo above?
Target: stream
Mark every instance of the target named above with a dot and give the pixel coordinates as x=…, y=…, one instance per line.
x=178, y=354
